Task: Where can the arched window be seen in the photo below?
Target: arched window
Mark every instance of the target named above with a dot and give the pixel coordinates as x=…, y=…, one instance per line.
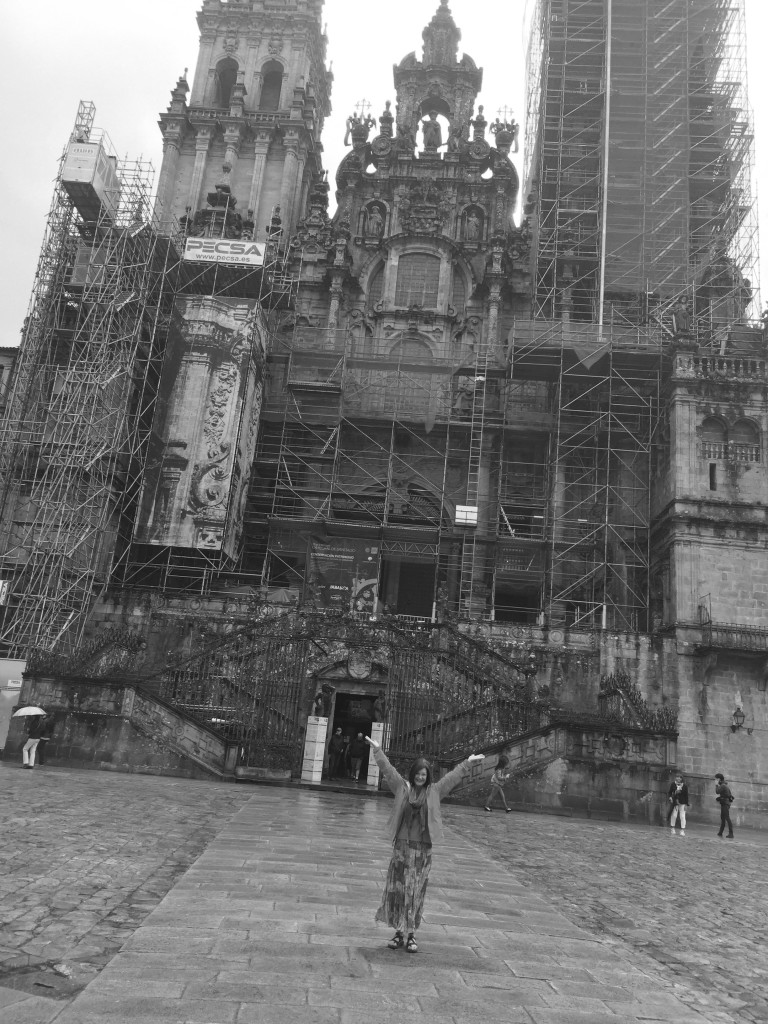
x=271, y=86
x=226, y=76
x=376, y=288
x=713, y=439
x=418, y=280
x=745, y=442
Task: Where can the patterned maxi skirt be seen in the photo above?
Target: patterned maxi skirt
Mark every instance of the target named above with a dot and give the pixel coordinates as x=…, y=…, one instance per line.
x=403, y=900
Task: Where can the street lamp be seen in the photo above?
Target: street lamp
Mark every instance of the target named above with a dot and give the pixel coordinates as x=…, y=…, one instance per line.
x=738, y=719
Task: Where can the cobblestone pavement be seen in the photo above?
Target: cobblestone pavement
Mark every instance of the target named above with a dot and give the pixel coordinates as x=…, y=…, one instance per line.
x=84, y=857
x=528, y=919
x=695, y=904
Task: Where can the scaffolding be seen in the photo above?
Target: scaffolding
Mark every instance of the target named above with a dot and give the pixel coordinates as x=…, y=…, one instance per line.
x=640, y=145
x=73, y=439
x=197, y=571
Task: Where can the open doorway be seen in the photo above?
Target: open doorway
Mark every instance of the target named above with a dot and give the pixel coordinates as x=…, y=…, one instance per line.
x=353, y=714
x=407, y=588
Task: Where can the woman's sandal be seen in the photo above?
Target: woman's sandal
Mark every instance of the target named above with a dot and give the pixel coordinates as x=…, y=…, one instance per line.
x=488, y=809
x=410, y=946
x=396, y=942
x=508, y=810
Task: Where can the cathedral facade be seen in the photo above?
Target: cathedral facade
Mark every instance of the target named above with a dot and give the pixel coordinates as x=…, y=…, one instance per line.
x=471, y=457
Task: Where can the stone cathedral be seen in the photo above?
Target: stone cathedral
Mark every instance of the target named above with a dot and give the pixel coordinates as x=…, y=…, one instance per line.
x=429, y=444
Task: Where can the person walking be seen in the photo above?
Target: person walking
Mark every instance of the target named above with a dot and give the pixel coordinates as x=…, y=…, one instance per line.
x=34, y=732
x=498, y=779
x=414, y=825
x=357, y=751
x=725, y=799
x=677, y=795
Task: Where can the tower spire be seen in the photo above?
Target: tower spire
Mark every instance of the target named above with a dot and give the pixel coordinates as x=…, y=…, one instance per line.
x=441, y=38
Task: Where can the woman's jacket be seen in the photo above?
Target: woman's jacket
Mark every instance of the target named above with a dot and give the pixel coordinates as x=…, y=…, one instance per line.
x=435, y=793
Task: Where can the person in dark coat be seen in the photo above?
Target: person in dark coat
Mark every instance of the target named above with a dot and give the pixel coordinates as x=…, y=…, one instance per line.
x=725, y=799
x=677, y=796
x=335, y=754
x=357, y=751
x=414, y=825
x=34, y=732
x=46, y=733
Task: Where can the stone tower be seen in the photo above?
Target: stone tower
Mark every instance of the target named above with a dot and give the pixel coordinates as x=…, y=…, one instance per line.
x=252, y=125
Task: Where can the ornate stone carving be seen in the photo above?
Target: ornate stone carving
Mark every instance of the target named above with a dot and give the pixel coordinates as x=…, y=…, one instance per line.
x=424, y=209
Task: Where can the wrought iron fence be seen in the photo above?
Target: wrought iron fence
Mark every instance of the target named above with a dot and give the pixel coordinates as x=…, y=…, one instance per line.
x=446, y=692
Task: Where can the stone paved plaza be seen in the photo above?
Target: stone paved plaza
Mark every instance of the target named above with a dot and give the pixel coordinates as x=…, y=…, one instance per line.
x=131, y=898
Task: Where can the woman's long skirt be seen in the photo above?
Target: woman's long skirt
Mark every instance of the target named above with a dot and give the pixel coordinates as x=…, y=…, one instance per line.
x=403, y=900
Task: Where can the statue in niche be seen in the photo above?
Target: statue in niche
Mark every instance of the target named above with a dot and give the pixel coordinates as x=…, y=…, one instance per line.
x=473, y=226
x=433, y=133
x=374, y=222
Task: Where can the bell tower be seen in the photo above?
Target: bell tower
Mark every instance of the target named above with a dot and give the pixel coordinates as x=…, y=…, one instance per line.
x=250, y=126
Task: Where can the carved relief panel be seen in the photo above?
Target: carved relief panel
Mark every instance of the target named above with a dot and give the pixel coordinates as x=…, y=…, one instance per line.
x=205, y=426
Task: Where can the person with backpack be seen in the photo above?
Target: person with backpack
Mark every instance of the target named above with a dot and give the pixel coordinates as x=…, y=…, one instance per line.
x=725, y=799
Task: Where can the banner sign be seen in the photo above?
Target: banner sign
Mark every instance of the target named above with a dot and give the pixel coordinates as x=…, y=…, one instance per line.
x=224, y=250
x=343, y=574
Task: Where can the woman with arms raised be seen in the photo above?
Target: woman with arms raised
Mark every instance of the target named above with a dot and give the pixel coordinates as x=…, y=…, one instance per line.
x=414, y=825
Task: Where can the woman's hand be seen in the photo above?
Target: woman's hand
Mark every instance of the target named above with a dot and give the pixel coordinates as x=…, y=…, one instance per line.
x=475, y=757
x=372, y=743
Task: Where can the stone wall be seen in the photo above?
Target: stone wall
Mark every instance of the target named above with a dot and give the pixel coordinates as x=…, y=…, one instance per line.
x=118, y=727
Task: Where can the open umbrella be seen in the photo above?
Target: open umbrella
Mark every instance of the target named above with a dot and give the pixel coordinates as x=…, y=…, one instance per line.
x=31, y=710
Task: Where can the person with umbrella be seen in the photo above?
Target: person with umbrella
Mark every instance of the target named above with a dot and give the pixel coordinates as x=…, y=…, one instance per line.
x=35, y=729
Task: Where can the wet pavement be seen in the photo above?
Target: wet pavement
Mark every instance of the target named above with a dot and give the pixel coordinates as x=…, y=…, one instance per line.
x=135, y=898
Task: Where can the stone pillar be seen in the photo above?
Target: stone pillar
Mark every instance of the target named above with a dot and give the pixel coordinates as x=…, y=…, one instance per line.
x=232, y=138
x=377, y=733
x=202, y=145
x=494, y=302
x=314, y=749
x=173, y=136
x=290, y=176
x=263, y=141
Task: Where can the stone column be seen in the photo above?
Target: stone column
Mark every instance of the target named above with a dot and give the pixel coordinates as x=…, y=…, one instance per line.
x=290, y=175
x=202, y=145
x=173, y=136
x=494, y=303
x=232, y=139
x=262, y=144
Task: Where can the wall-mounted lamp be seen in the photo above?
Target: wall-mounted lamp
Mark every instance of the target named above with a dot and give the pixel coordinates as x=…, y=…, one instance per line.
x=738, y=719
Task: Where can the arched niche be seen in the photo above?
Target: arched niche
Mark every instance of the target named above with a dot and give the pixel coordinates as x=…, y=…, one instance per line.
x=713, y=431
x=373, y=219
x=473, y=224
x=271, y=85
x=744, y=432
x=226, y=76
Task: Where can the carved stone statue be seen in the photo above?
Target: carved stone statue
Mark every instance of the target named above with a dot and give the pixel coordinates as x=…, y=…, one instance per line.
x=479, y=124
x=374, y=222
x=386, y=121
x=473, y=226
x=380, y=707
x=681, y=317
x=433, y=134
x=456, y=136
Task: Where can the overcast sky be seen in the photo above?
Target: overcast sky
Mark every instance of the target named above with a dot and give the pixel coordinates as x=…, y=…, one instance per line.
x=57, y=52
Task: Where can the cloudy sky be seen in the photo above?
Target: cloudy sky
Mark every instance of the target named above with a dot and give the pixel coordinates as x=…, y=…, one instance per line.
x=57, y=52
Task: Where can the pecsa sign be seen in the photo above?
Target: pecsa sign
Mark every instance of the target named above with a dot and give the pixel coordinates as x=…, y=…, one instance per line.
x=224, y=250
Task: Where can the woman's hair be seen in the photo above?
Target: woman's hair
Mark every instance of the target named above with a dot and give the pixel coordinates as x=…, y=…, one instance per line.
x=417, y=765
x=503, y=761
